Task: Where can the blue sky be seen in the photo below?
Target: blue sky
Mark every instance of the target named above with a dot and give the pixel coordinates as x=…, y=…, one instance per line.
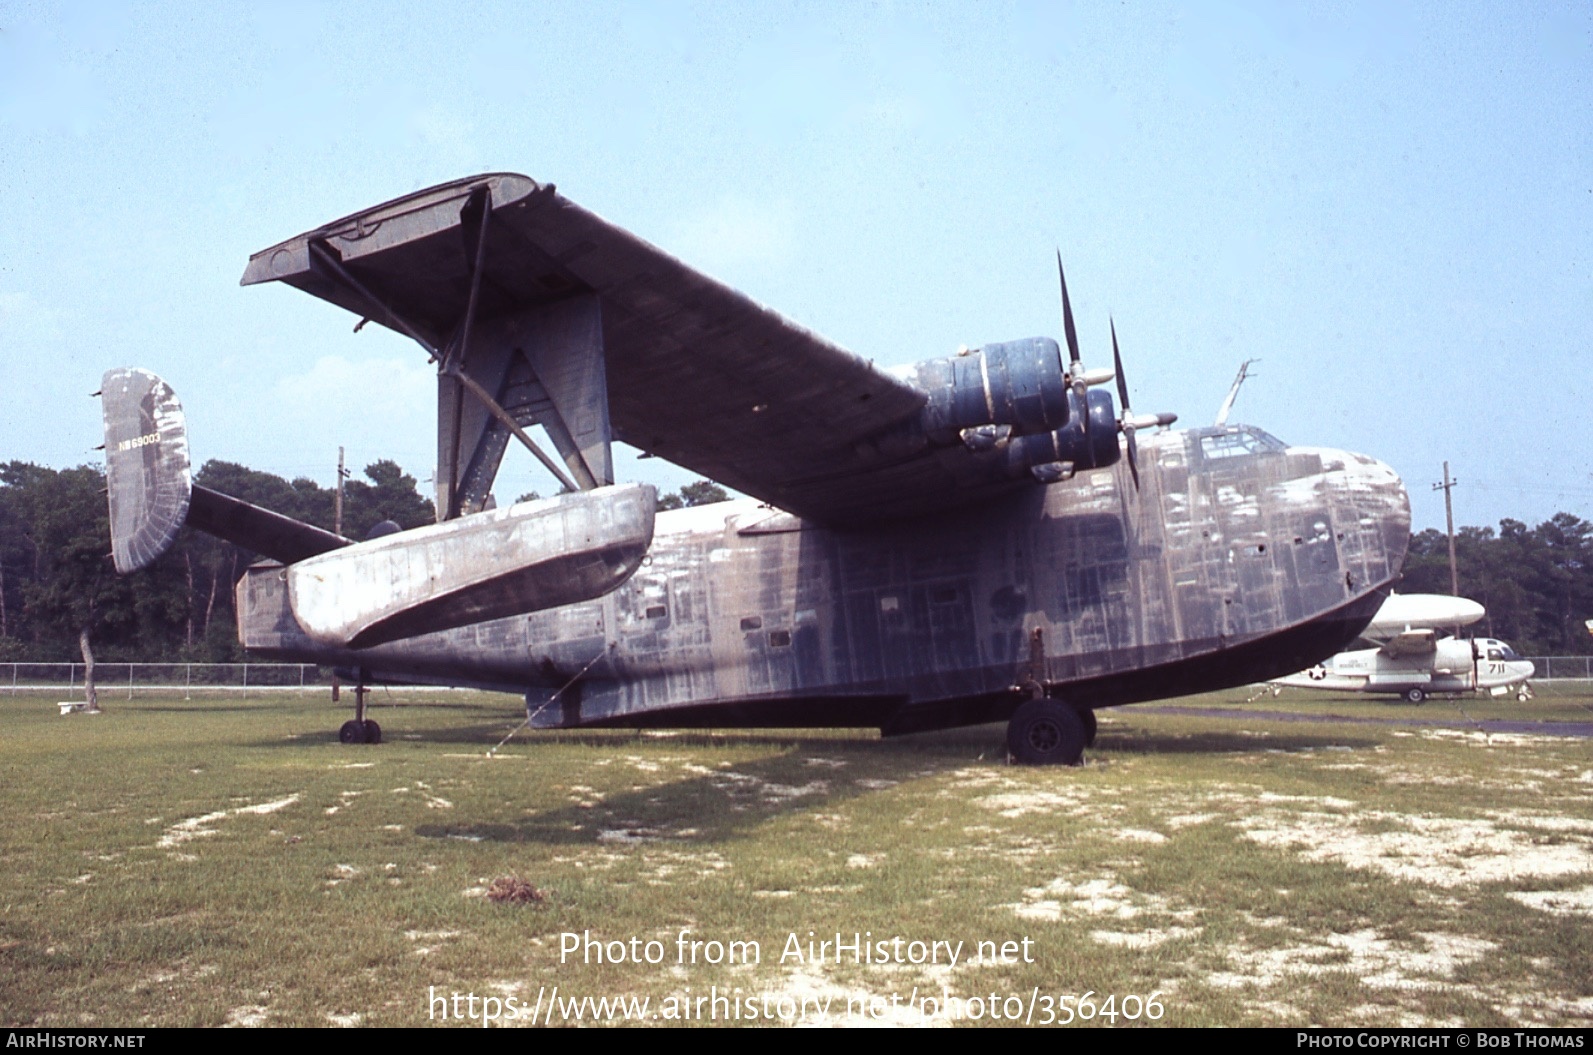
x=1393, y=211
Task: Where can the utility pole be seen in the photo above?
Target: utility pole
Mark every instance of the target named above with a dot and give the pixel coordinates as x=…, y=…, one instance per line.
x=342, y=474
x=1447, y=487
x=337, y=526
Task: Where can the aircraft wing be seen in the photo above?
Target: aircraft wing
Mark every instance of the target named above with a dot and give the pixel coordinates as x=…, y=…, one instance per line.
x=1410, y=643
x=697, y=372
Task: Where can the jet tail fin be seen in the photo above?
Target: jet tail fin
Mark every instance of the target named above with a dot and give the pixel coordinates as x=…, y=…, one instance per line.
x=151, y=490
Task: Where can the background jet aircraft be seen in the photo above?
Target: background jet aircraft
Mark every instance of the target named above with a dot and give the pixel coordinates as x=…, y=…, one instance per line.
x=959, y=542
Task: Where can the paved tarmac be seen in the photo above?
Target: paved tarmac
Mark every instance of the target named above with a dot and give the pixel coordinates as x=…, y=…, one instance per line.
x=1490, y=725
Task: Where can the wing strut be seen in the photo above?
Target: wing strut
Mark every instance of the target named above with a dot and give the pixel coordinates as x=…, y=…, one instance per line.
x=328, y=259
x=480, y=202
x=452, y=361
x=509, y=423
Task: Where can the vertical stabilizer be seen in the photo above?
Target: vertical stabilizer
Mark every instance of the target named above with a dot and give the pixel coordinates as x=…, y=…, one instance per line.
x=146, y=465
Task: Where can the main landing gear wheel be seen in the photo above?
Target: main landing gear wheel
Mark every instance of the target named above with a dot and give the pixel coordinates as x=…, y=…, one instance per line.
x=1415, y=695
x=361, y=730
x=358, y=732
x=1047, y=733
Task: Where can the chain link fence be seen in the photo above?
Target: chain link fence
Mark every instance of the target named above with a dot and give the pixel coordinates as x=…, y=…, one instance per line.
x=187, y=678
x=1561, y=668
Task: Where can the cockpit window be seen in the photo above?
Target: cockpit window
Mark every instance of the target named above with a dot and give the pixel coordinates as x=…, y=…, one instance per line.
x=1238, y=442
x=1494, y=653
x=1509, y=653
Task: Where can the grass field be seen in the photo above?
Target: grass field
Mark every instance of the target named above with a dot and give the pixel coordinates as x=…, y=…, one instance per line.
x=213, y=862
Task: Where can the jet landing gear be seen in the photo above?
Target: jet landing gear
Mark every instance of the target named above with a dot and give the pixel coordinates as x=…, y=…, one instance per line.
x=1046, y=732
x=361, y=730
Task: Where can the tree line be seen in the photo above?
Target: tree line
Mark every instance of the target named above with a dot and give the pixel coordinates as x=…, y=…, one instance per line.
x=60, y=595
x=1536, y=583
x=57, y=584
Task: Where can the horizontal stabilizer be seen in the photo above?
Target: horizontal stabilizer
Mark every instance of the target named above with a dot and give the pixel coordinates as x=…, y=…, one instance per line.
x=266, y=533
x=491, y=565
x=146, y=465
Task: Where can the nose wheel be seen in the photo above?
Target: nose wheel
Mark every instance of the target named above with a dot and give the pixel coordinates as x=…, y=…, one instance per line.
x=361, y=730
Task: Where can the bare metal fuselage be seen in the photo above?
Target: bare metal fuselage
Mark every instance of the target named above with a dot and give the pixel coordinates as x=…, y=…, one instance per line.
x=1236, y=560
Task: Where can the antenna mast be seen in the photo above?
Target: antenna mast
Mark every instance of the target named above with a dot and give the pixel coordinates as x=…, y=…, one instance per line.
x=1447, y=487
x=1233, y=393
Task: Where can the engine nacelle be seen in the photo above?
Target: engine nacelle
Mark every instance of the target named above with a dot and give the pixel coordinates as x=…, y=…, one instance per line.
x=1058, y=454
x=1018, y=384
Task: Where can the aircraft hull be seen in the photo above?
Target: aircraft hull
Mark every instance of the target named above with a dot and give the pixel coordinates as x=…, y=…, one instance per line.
x=1230, y=564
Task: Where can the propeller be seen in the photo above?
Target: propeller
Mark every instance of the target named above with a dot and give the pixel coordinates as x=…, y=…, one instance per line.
x=1075, y=364
x=1129, y=422
x=1080, y=380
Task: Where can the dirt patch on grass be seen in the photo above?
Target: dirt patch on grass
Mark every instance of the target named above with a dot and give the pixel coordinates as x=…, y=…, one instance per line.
x=1378, y=962
x=1442, y=851
x=199, y=827
x=250, y=1015
x=1557, y=902
x=1103, y=896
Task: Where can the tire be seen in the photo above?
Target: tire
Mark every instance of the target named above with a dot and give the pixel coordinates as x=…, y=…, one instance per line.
x=1047, y=733
x=373, y=732
x=1087, y=716
x=352, y=732
x=1415, y=695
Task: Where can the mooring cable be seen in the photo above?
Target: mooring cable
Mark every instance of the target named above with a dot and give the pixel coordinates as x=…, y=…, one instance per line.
x=531, y=715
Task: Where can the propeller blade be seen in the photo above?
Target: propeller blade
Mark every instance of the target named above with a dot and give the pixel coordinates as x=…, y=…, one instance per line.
x=1117, y=366
x=1067, y=317
x=1075, y=366
x=1127, y=421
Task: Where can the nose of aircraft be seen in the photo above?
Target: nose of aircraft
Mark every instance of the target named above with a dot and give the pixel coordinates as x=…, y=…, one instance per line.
x=1372, y=511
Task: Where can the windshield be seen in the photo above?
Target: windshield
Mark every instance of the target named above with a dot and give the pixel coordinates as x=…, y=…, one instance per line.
x=1238, y=441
